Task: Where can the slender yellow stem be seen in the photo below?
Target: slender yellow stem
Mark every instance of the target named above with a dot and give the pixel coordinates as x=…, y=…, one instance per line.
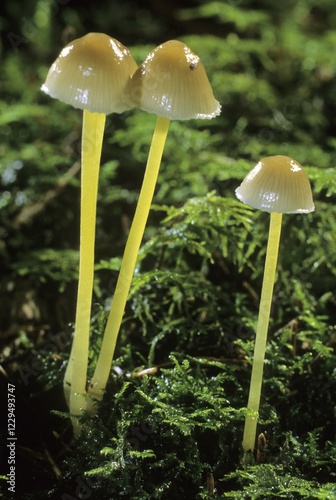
x=262, y=329
x=76, y=373
x=104, y=362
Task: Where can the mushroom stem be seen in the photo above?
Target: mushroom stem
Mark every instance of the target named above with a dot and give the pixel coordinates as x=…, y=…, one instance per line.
x=262, y=329
x=103, y=367
x=76, y=372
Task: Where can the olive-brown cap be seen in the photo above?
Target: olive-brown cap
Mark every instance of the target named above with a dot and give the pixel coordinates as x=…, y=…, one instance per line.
x=277, y=184
x=172, y=83
x=92, y=73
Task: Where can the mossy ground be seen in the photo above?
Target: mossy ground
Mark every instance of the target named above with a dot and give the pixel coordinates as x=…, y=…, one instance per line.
x=175, y=430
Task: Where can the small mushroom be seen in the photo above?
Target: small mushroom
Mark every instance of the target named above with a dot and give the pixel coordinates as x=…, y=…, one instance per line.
x=279, y=185
x=172, y=84
x=91, y=73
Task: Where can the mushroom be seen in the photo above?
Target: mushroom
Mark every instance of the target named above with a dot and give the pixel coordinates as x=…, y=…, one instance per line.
x=91, y=73
x=279, y=185
x=172, y=84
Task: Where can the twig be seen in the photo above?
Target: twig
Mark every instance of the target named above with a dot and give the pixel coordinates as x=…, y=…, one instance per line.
x=29, y=212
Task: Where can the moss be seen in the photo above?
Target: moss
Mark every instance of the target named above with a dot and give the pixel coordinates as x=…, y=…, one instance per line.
x=192, y=311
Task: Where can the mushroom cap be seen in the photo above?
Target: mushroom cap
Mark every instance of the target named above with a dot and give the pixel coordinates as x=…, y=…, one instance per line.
x=172, y=83
x=92, y=72
x=277, y=184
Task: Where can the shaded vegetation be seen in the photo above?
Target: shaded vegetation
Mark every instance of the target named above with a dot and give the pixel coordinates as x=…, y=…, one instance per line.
x=192, y=311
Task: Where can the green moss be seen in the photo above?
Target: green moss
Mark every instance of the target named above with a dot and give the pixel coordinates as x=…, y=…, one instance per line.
x=192, y=310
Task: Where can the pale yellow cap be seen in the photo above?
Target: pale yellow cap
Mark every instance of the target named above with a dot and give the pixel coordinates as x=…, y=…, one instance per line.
x=277, y=184
x=92, y=73
x=172, y=83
